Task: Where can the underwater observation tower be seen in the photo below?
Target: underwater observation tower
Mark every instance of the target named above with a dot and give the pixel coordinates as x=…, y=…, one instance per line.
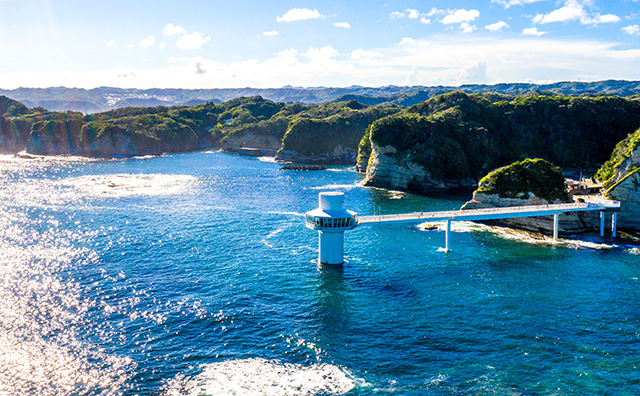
x=331, y=220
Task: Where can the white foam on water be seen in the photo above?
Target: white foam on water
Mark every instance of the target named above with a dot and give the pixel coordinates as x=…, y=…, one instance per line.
x=251, y=377
x=524, y=236
x=267, y=159
x=285, y=213
x=456, y=226
x=120, y=185
x=634, y=250
x=272, y=234
x=335, y=186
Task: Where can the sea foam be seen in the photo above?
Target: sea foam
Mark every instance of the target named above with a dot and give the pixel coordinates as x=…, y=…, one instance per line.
x=258, y=376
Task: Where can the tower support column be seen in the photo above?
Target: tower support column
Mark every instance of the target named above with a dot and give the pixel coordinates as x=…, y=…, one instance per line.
x=331, y=247
x=556, y=220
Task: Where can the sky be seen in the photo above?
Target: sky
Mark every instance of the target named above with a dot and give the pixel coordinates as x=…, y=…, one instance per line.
x=270, y=44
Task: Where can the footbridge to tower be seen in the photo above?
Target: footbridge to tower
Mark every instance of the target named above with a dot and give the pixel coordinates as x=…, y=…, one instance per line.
x=331, y=219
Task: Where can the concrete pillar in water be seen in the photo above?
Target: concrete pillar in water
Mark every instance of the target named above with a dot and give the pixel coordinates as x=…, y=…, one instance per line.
x=555, y=226
x=614, y=224
x=447, y=236
x=602, y=223
x=331, y=220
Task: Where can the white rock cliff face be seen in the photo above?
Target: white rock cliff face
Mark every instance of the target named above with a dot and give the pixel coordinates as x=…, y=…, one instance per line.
x=627, y=191
x=569, y=223
x=251, y=139
x=384, y=171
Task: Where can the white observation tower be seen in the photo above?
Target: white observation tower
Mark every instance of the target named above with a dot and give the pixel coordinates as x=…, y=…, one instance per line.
x=331, y=220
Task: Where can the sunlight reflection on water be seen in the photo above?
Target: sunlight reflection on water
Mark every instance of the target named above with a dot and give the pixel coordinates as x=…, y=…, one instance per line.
x=40, y=311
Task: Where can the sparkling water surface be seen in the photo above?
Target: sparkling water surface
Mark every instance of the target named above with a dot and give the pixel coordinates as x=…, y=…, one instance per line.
x=193, y=274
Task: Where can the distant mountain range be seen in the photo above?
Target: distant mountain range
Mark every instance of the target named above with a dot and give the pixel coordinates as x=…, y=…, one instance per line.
x=106, y=98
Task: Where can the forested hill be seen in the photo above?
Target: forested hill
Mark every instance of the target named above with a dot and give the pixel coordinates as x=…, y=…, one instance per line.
x=258, y=122
x=107, y=98
x=458, y=136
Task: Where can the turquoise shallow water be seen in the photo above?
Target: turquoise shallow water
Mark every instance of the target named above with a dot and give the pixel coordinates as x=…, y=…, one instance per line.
x=193, y=274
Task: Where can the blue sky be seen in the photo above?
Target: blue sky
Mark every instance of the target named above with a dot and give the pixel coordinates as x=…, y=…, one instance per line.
x=231, y=44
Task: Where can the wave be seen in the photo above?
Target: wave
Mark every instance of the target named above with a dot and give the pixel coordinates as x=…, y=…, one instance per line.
x=286, y=213
x=579, y=242
x=336, y=186
x=256, y=376
x=119, y=185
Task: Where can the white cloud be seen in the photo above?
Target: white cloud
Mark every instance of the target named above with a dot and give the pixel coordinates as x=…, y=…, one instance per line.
x=326, y=52
x=467, y=28
x=572, y=11
x=446, y=60
x=407, y=40
x=412, y=14
x=633, y=30
x=288, y=53
x=299, y=14
x=193, y=41
x=460, y=16
x=344, y=25
x=360, y=53
x=509, y=3
x=532, y=32
x=171, y=29
x=474, y=74
x=608, y=18
x=173, y=59
x=271, y=33
x=496, y=27
x=111, y=43
x=148, y=42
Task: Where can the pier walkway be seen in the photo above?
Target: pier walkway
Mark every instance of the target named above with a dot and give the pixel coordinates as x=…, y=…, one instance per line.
x=601, y=205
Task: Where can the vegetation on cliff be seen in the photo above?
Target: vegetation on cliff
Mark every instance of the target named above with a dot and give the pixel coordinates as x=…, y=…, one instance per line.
x=517, y=180
x=622, y=152
x=12, y=108
x=154, y=130
x=455, y=136
x=322, y=128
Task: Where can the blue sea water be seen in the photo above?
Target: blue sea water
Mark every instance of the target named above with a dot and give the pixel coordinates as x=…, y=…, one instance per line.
x=193, y=274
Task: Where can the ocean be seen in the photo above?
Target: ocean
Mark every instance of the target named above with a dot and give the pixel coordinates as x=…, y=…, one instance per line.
x=193, y=274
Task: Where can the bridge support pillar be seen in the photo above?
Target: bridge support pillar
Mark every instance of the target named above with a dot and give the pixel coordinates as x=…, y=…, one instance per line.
x=556, y=220
x=614, y=224
x=601, y=224
x=447, y=236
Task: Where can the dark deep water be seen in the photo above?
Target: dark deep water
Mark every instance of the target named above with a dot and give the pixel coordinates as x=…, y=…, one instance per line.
x=194, y=274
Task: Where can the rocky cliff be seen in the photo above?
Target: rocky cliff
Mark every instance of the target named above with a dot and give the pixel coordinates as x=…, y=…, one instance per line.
x=330, y=135
x=384, y=170
x=530, y=182
x=622, y=180
x=457, y=137
x=569, y=223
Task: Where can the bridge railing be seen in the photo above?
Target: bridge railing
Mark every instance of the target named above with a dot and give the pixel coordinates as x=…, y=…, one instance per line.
x=601, y=204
